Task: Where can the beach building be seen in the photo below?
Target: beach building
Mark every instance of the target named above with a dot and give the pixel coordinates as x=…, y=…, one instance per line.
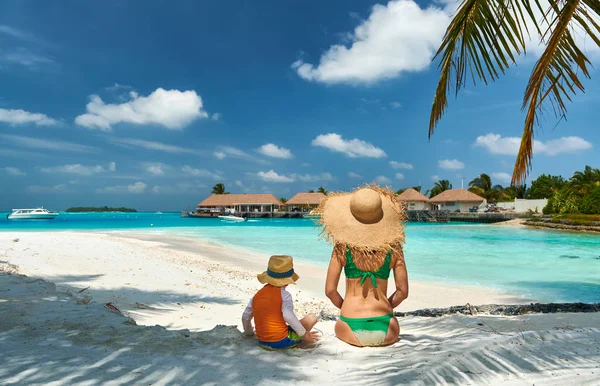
x=304, y=202
x=415, y=200
x=456, y=200
x=242, y=203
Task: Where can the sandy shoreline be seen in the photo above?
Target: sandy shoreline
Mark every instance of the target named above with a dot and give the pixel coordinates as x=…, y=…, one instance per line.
x=180, y=283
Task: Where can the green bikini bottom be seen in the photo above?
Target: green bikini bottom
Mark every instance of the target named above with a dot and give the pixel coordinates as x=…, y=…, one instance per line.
x=369, y=331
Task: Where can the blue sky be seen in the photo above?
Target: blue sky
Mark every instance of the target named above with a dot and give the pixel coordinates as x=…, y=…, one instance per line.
x=150, y=103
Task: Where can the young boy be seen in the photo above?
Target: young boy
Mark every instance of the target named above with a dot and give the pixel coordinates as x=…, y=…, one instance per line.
x=272, y=308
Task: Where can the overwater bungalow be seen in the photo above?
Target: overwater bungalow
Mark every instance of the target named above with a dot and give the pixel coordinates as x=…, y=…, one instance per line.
x=243, y=203
x=304, y=202
x=456, y=200
x=415, y=200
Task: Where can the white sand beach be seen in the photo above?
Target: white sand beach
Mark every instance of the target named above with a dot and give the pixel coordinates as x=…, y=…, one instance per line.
x=180, y=302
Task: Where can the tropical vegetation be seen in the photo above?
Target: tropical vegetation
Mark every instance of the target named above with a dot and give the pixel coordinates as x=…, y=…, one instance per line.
x=322, y=190
x=439, y=187
x=219, y=189
x=581, y=194
x=484, y=39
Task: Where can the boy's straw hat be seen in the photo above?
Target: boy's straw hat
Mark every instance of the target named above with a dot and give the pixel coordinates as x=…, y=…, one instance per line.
x=280, y=272
x=370, y=218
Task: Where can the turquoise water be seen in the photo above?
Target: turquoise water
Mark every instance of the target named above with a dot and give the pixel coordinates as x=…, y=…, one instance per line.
x=544, y=265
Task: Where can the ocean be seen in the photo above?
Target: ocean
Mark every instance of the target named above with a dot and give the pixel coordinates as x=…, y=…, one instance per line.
x=548, y=266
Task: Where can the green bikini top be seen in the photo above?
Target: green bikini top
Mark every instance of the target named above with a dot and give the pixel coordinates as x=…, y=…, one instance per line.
x=352, y=272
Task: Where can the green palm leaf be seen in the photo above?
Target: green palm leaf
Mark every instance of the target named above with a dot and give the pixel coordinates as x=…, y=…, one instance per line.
x=483, y=40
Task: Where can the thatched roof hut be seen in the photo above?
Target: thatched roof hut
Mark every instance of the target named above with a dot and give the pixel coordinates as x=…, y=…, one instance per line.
x=310, y=199
x=413, y=195
x=224, y=200
x=456, y=195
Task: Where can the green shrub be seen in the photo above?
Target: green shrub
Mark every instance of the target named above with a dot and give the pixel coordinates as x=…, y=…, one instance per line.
x=591, y=202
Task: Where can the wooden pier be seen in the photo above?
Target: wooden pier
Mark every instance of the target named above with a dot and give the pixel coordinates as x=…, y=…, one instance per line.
x=428, y=215
x=447, y=216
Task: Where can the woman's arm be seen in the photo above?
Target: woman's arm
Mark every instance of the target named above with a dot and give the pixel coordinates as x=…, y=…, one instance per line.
x=333, y=278
x=400, y=279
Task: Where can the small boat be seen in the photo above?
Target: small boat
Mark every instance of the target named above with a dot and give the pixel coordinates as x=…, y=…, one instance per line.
x=233, y=218
x=311, y=214
x=32, y=214
x=201, y=212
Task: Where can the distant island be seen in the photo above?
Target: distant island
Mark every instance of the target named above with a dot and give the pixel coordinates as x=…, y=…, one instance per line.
x=98, y=209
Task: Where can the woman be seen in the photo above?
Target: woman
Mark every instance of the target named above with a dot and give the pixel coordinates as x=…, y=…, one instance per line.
x=366, y=227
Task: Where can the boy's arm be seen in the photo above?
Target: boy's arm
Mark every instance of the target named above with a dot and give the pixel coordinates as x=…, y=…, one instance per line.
x=287, y=308
x=247, y=319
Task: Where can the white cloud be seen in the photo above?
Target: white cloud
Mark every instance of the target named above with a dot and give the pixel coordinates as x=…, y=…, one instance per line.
x=354, y=175
x=451, y=164
x=13, y=171
x=562, y=145
x=312, y=177
x=272, y=150
x=239, y=183
x=435, y=178
x=46, y=144
x=383, y=180
x=216, y=116
x=496, y=144
x=399, y=176
x=155, y=168
x=502, y=177
x=21, y=117
x=401, y=165
x=200, y=172
x=60, y=188
x=79, y=169
x=172, y=109
x=353, y=148
x=395, y=105
x=272, y=176
x=135, y=188
x=151, y=145
x=230, y=151
x=396, y=38
x=26, y=58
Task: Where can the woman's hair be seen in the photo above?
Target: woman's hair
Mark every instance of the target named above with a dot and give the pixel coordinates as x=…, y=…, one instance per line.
x=366, y=260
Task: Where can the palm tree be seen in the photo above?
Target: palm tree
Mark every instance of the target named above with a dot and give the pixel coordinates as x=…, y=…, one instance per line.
x=485, y=37
x=400, y=191
x=584, y=182
x=439, y=187
x=283, y=200
x=483, y=181
x=322, y=190
x=311, y=191
x=482, y=186
x=219, y=189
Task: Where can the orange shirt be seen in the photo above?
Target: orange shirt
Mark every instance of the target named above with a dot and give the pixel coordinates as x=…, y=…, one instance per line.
x=268, y=318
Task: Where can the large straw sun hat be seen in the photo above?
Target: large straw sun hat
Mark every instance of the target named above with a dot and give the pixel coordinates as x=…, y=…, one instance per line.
x=368, y=218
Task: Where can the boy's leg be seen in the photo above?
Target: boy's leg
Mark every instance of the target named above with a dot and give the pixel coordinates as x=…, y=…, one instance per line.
x=309, y=321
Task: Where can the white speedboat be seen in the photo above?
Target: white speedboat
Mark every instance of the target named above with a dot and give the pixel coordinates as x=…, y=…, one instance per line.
x=32, y=214
x=233, y=218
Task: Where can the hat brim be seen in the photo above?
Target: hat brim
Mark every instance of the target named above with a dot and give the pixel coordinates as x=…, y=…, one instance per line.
x=340, y=226
x=264, y=278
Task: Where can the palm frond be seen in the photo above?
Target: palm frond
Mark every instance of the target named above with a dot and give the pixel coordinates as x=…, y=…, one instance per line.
x=555, y=77
x=482, y=41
